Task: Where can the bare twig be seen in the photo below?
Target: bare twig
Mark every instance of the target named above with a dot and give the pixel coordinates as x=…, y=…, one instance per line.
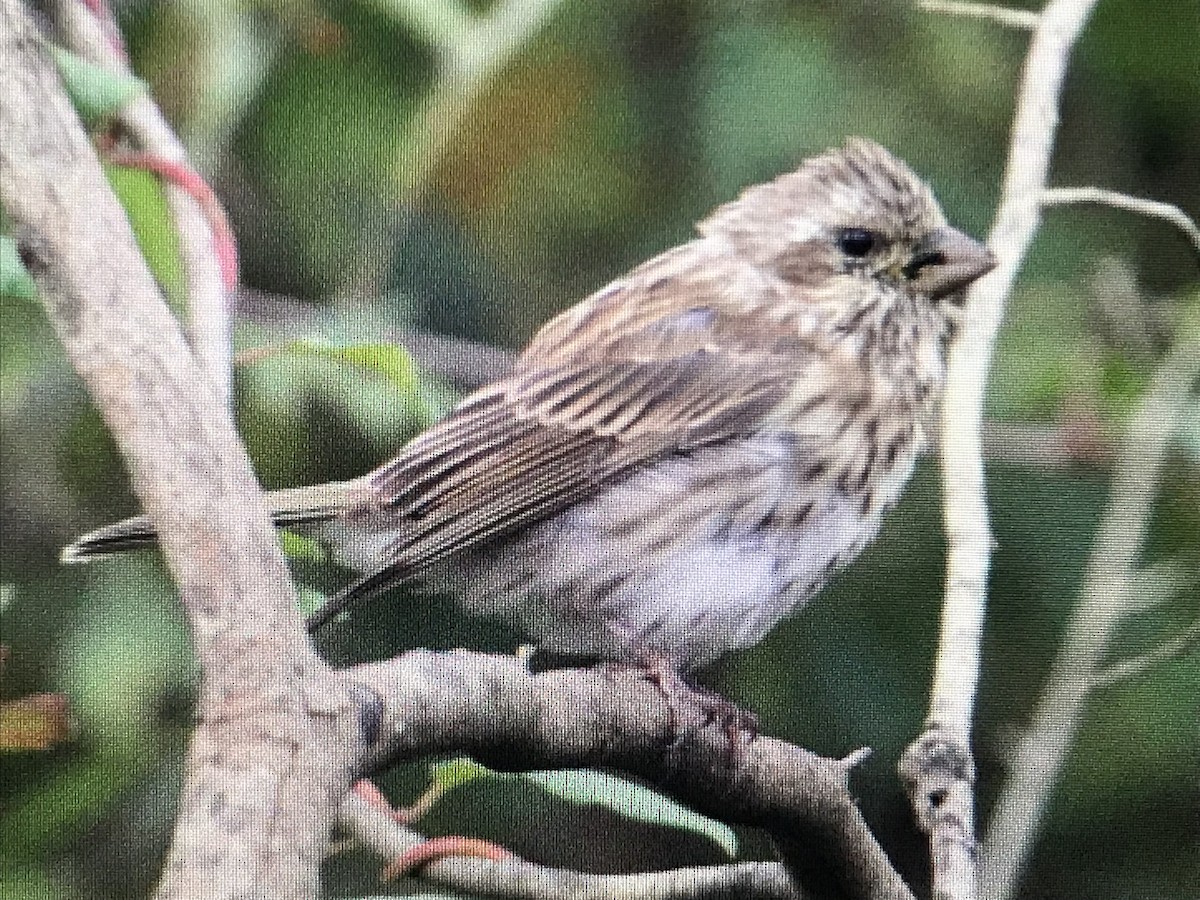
x=1103, y=604
x=1155, y=209
x=198, y=222
x=1001, y=15
x=1168, y=649
x=938, y=766
x=970, y=358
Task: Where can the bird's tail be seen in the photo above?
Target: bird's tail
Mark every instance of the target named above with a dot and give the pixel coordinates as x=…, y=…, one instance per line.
x=291, y=506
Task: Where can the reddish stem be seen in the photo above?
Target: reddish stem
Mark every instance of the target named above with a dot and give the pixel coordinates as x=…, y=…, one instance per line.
x=99, y=9
x=190, y=181
x=439, y=848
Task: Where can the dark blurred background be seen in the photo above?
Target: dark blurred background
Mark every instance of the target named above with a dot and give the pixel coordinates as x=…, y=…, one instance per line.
x=370, y=199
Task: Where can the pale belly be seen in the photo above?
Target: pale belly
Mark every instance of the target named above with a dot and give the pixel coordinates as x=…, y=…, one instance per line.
x=685, y=562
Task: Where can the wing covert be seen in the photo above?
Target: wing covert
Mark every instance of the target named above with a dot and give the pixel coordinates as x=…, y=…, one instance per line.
x=597, y=395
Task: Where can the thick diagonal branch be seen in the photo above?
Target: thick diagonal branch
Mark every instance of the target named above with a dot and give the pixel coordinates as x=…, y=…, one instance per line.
x=252, y=774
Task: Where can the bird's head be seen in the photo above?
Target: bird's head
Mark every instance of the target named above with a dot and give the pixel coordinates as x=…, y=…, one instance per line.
x=853, y=213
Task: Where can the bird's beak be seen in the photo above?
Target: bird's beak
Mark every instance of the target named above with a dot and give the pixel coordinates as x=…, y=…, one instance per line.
x=946, y=261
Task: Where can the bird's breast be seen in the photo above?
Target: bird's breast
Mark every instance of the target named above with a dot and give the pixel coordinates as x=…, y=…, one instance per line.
x=688, y=559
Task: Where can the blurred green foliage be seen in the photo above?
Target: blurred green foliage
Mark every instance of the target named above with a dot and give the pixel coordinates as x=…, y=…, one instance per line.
x=615, y=127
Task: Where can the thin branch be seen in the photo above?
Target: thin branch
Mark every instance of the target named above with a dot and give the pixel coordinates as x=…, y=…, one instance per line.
x=1002, y=15
x=203, y=247
x=1017, y=219
x=1168, y=649
x=1154, y=209
x=938, y=767
x=523, y=880
x=1102, y=606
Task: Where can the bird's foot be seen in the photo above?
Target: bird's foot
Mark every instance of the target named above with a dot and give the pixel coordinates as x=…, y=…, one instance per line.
x=683, y=695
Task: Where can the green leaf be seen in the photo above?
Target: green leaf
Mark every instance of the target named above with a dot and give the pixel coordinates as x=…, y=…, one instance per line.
x=96, y=92
x=145, y=202
x=371, y=400
x=15, y=280
x=456, y=772
x=310, y=599
x=633, y=801
x=585, y=787
x=300, y=546
x=389, y=360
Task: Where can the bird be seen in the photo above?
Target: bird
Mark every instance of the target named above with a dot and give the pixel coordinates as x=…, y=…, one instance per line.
x=686, y=457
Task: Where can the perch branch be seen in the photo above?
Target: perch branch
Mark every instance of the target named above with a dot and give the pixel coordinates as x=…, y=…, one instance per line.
x=429, y=703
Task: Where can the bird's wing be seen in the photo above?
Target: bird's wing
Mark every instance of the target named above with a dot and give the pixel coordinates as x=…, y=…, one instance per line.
x=511, y=459
x=595, y=397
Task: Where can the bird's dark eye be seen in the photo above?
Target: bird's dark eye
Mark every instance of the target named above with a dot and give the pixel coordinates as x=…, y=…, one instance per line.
x=856, y=242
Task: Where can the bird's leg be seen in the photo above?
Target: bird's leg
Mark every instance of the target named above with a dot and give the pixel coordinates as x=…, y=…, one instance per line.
x=680, y=691
x=740, y=725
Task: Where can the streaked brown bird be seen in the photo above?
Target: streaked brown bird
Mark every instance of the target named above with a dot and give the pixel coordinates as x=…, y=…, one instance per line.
x=684, y=458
